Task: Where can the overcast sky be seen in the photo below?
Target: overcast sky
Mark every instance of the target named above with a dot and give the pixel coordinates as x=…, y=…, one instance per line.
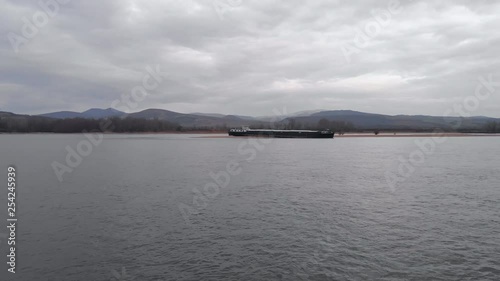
x=250, y=56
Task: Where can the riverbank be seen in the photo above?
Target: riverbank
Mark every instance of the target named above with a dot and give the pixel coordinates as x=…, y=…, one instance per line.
x=382, y=135
x=223, y=134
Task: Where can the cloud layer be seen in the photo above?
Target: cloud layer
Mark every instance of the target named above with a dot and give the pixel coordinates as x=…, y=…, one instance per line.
x=248, y=56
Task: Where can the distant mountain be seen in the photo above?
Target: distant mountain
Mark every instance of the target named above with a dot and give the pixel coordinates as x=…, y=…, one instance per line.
x=62, y=114
x=93, y=113
x=5, y=114
x=224, y=116
x=161, y=114
x=303, y=119
x=281, y=117
x=358, y=119
x=97, y=113
x=241, y=117
x=208, y=114
x=306, y=113
x=362, y=120
x=188, y=120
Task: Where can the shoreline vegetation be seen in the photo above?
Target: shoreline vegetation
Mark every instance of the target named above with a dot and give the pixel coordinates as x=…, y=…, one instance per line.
x=223, y=134
x=11, y=123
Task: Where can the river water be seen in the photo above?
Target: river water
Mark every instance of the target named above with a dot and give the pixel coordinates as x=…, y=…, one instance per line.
x=148, y=207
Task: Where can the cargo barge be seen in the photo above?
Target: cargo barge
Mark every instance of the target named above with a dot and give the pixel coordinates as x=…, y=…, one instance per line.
x=247, y=132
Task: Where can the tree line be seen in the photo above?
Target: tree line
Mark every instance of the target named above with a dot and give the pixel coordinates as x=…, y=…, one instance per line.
x=32, y=124
x=492, y=127
x=38, y=124
x=322, y=124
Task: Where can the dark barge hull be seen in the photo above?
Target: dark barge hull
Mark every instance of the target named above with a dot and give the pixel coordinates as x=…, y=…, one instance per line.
x=282, y=134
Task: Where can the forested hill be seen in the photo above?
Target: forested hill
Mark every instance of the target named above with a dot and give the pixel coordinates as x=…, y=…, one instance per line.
x=159, y=120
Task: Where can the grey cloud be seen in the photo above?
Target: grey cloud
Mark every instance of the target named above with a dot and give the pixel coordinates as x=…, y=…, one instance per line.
x=260, y=55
